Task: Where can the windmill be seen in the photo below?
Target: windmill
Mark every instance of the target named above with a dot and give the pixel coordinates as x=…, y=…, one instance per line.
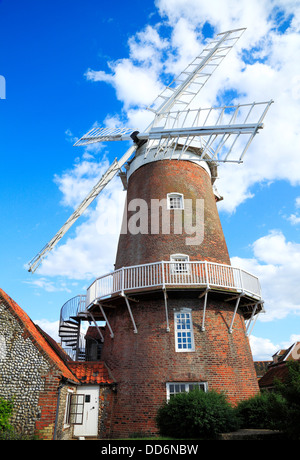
x=176, y=123
x=177, y=315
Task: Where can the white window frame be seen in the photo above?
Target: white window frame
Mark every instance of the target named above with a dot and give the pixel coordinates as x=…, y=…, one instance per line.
x=183, y=329
x=74, y=409
x=68, y=408
x=179, y=267
x=174, y=388
x=176, y=196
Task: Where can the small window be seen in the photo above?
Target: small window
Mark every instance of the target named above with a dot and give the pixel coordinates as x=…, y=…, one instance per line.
x=175, y=201
x=184, y=336
x=180, y=265
x=68, y=407
x=76, y=409
x=174, y=388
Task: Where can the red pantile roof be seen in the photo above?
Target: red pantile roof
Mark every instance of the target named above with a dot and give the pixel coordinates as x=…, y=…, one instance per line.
x=37, y=338
x=277, y=371
x=56, y=346
x=92, y=372
x=261, y=367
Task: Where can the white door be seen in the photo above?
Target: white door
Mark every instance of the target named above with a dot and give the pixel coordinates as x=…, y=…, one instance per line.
x=90, y=398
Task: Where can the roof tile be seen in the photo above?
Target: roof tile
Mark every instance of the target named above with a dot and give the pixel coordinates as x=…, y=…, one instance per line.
x=37, y=338
x=91, y=372
x=277, y=371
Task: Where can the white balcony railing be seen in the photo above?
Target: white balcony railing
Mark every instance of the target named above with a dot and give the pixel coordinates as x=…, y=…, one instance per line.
x=166, y=274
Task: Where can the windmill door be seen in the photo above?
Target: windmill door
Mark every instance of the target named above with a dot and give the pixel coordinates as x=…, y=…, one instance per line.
x=87, y=424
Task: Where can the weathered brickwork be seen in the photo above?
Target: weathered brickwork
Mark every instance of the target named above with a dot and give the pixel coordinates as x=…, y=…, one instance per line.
x=107, y=398
x=62, y=431
x=21, y=371
x=144, y=362
x=155, y=181
x=27, y=377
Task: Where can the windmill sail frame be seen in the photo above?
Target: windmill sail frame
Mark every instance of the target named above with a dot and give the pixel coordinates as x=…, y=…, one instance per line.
x=170, y=106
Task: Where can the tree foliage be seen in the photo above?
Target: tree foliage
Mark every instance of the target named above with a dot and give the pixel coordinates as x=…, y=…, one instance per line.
x=6, y=408
x=290, y=391
x=262, y=411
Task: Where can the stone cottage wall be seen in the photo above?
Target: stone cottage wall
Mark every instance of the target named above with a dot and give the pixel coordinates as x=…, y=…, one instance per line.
x=26, y=377
x=63, y=431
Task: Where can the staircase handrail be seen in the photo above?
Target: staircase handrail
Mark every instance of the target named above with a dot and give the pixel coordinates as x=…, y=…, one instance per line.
x=72, y=307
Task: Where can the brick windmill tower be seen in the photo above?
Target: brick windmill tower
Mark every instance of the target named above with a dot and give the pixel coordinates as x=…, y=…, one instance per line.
x=177, y=313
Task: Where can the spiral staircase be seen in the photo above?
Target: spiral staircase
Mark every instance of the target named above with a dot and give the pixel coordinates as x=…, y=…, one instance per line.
x=71, y=315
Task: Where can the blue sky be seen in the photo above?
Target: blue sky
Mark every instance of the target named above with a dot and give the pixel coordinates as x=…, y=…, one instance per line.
x=71, y=64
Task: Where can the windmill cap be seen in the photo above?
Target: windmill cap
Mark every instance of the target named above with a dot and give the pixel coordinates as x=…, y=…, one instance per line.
x=190, y=154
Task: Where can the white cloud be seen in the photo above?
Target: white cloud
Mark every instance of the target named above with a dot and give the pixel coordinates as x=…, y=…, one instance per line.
x=145, y=45
x=51, y=328
x=276, y=262
x=76, y=183
x=295, y=218
x=91, y=252
x=186, y=44
x=262, y=349
x=135, y=85
x=229, y=14
x=48, y=286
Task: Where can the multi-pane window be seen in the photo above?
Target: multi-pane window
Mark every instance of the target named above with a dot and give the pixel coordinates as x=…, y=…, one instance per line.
x=74, y=409
x=184, y=337
x=68, y=407
x=174, y=388
x=180, y=265
x=175, y=200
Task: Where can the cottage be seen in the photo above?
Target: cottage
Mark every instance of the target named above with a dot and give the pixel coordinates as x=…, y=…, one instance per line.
x=277, y=369
x=54, y=397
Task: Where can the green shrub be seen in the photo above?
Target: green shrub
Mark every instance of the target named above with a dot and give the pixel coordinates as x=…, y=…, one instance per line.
x=265, y=411
x=196, y=414
x=6, y=408
x=290, y=391
x=277, y=410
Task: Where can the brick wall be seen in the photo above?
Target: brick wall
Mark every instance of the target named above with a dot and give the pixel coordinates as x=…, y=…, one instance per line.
x=143, y=363
x=107, y=398
x=52, y=403
x=62, y=431
x=155, y=181
x=21, y=370
x=27, y=377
